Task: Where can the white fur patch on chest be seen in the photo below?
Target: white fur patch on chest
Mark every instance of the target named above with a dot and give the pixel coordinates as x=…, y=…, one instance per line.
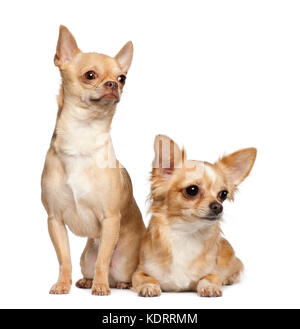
x=81, y=220
x=185, y=249
x=77, y=176
x=83, y=184
x=186, y=242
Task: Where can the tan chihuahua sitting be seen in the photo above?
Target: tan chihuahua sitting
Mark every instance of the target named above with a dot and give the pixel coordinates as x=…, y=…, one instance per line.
x=83, y=185
x=183, y=248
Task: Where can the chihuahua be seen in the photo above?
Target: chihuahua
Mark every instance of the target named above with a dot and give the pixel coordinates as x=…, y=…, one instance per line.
x=83, y=185
x=183, y=248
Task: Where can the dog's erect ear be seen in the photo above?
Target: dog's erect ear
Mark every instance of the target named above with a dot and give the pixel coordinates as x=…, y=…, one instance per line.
x=237, y=166
x=66, y=47
x=168, y=156
x=124, y=56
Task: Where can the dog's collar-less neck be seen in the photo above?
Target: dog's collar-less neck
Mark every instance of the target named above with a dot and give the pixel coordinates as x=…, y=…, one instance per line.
x=80, y=132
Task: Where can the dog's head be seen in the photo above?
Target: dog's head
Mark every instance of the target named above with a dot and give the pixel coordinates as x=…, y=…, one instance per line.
x=195, y=190
x=92, y=80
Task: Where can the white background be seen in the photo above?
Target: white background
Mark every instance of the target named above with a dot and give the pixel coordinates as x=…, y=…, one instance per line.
x=214, y=75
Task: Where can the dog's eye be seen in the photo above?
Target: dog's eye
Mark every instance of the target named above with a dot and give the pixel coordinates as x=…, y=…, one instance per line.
x=191, y=191
x=122, y=79
x=223, y=195
x=90, y=75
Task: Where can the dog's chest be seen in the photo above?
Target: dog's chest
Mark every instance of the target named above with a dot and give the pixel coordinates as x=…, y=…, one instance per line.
x=184, y=270
x=79, y=187
x=78, y=176
x=185, y=251
x=84, y=152
x=84, y=186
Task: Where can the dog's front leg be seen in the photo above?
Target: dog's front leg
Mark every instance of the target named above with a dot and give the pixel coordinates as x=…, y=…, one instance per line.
x=210, y=286
x=59, y=237
x=109, y=237
x=145, y=285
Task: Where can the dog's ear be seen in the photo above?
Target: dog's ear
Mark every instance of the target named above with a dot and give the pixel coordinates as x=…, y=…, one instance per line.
x=124, y=56
x=168, y=156
x=66, y=48
x=237, y=166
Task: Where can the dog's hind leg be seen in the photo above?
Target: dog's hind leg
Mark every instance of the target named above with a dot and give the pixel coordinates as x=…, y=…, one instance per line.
x=234, y=274
x=87, y=263
x=125, y=257
x=228, y=265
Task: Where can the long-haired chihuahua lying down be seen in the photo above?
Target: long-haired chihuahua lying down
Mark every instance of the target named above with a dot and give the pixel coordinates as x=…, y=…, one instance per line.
x=183, y=248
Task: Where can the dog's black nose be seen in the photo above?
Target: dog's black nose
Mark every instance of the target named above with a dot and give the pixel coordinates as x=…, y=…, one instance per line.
x=111, y=84
x=216, y=208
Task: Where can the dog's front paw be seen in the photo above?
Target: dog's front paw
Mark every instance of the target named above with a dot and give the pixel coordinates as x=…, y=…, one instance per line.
x=209, y=290
x=60, y=288
x=100, y=289
x=149, y=290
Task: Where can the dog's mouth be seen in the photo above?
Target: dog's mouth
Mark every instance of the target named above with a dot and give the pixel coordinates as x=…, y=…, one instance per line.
x=208, y=218
x=109, y=97
x=211, y=218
